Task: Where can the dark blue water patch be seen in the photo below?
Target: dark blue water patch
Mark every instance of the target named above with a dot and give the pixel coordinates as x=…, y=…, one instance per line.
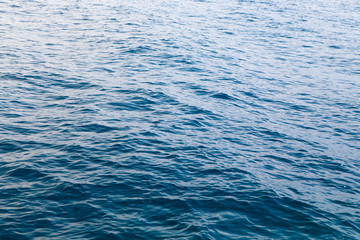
x=97, y=128
x=191, y=69
x=137, y=50
x=11, y=115
x=74, y=84
x=25, y=172
x=7, y=146
x=11, y=129
x=223, y=96
x=334, y=47
x=250, y=94
x=20, y=145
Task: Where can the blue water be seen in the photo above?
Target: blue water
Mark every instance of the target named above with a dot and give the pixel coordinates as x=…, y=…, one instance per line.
x=182, y=119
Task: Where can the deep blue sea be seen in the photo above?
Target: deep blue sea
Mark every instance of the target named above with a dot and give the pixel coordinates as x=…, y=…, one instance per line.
x=181, y=119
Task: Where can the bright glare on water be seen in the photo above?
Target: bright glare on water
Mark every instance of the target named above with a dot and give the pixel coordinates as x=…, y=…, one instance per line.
x=181, y=119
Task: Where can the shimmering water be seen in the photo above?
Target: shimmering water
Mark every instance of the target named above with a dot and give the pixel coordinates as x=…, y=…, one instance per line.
x=182, y=119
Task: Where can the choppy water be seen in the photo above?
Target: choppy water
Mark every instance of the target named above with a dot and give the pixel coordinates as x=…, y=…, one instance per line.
x=182, y=119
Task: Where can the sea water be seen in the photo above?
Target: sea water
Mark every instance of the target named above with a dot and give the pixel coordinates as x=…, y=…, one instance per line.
x=182, y=119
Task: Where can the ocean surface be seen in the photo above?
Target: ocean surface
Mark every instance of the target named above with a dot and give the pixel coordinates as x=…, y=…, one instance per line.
x=181, y=119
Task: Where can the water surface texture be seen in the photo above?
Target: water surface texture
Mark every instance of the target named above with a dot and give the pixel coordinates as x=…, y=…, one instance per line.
x=181, y=119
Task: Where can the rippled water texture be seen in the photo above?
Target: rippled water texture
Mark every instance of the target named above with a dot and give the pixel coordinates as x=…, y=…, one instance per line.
x=182, y=119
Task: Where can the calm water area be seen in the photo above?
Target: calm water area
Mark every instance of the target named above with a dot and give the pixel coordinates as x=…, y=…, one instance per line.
x=182, y=119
